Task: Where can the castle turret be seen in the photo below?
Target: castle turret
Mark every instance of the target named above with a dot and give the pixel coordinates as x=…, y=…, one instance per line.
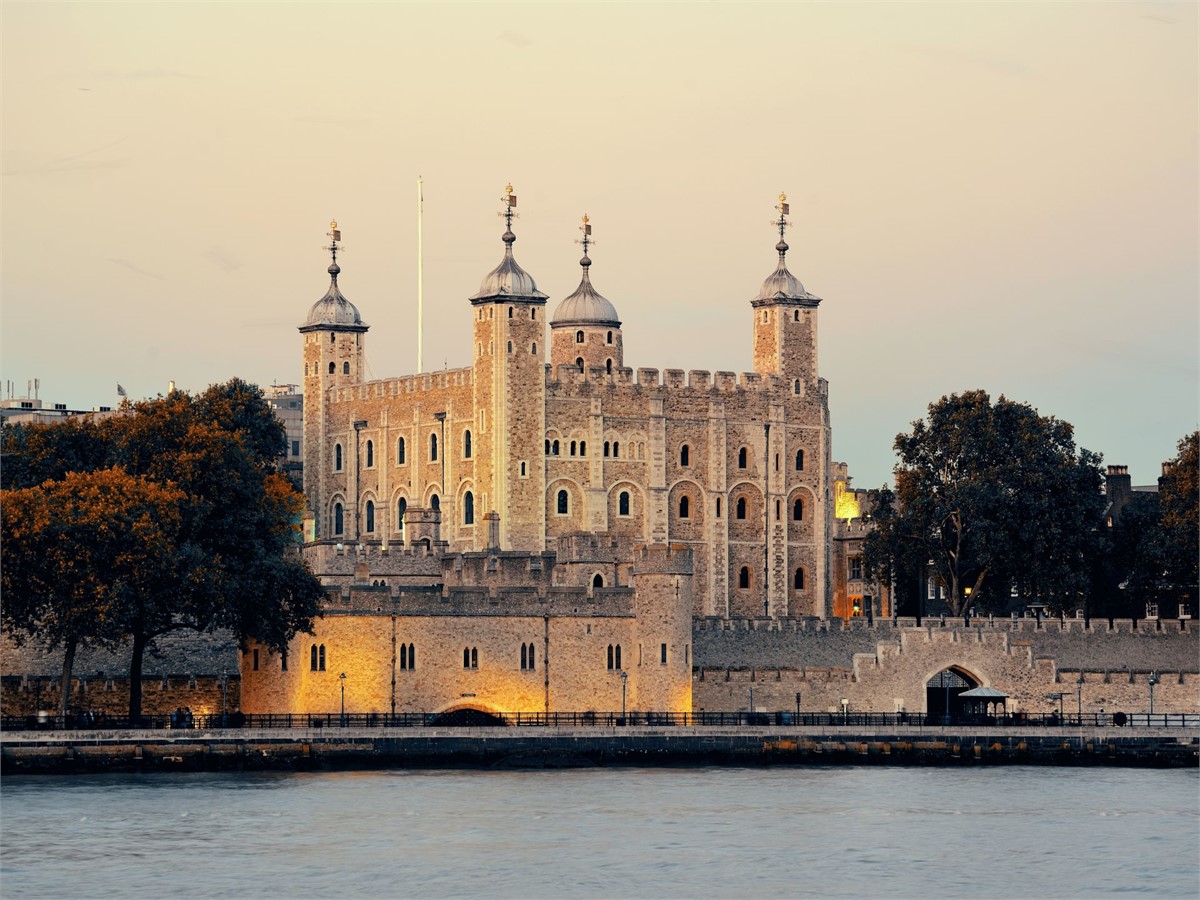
x=662, y=582
x=585, y=330
x=510, y=395
x=333, y=356
x=785, y=321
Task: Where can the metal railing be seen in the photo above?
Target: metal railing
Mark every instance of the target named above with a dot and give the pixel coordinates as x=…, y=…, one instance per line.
x=208, y=722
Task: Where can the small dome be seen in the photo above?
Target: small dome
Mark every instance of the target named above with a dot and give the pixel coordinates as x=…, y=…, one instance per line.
x=508, y=279
x=585, y=307
x=783, y=285
x=333, y=308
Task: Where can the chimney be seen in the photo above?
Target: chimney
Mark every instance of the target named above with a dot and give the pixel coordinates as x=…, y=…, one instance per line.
x=1118, y=489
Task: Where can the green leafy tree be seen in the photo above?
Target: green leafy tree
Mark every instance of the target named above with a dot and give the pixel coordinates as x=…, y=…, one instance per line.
x=989, y=496
x=1179, y=501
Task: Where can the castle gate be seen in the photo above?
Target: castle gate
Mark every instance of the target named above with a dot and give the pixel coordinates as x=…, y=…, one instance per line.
x=942, y=692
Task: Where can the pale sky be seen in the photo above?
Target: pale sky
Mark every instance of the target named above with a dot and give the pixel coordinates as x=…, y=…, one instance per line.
x=999, y=196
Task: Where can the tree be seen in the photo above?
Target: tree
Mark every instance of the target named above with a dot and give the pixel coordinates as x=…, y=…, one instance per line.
x=234, y=555
x=1179, y=500
x=992, y=496
x=80, y=550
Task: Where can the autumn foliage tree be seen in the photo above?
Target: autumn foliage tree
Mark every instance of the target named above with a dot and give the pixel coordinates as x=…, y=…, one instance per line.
x=223, y=557
x=994, y=496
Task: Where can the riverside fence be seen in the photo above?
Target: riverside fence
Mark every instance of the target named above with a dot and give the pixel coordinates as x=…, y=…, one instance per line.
x=470, y=718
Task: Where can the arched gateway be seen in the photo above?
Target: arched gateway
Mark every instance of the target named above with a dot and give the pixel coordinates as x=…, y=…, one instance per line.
x=942, y=694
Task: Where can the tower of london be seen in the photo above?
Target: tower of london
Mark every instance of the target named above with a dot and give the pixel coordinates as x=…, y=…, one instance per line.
x=552, y=431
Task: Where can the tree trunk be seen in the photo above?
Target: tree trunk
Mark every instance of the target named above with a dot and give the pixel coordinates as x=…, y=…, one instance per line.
x=135, y=679
x=64, y=691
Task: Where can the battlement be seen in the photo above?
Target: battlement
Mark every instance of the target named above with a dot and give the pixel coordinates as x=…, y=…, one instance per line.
x=662, y=559
x=699, y=380
x=471, y=600
x=405, y=384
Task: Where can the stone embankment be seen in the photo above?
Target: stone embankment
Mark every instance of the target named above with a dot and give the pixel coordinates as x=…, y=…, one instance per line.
x=350, y=748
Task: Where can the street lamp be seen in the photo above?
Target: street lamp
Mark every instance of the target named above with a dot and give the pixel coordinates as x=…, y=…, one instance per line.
x=224, y=694
x=845, y=710
x=1152, y=681
x=1079, y=697
x=797, y=707
x=342, y=679
x=624, y=679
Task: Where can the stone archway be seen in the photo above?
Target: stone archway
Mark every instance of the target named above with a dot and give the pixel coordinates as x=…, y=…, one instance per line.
x=467, y=717
x=942, y=703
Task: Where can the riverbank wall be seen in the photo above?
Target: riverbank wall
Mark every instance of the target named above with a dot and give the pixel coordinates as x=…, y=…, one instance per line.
x=551, y=748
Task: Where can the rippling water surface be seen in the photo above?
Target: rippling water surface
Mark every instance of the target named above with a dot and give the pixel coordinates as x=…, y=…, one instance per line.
x=712, y=832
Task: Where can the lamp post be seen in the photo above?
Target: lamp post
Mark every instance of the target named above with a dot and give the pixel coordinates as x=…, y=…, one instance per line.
x=797, y=707
x=342, y=680
x=624, y=680
x=1152, y=681
x=845, y=710
x=1079, y=697
x=224, y=694
x=946, y=685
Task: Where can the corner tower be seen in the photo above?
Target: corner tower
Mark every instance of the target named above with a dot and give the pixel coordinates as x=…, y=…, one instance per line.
x=785, y=321
x=510, y=395
x=333, y=357
x=585, y=330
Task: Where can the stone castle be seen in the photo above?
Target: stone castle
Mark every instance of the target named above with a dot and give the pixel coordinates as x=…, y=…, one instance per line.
x=529, y=531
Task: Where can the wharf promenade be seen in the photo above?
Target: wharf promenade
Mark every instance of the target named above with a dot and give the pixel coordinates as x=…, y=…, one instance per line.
x=556, y=746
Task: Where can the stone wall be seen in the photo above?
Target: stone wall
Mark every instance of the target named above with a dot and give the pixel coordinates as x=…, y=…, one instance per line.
x=160, y=696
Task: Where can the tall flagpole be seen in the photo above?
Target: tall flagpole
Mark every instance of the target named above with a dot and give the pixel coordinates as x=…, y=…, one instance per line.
x=420, y=276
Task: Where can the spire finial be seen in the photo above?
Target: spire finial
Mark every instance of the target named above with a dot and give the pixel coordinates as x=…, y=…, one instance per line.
x=510, y=201
x=334, y=236
x=586, y=242
x=782, y=223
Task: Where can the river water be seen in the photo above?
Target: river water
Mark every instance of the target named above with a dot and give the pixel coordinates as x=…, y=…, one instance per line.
x=1008, y=831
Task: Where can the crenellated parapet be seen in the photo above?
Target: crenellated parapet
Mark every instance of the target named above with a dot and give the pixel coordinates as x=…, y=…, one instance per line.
x=662, y=559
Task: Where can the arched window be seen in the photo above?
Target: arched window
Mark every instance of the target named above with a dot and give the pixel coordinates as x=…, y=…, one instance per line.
x=741, y=507
x=597, y=580
x=433, y=448
x=795, y=315
x=400, y=457
x=614, y=657
x=332, y=337
x=312, y=658
x=616, y=449
x=610, y=657
x=533, y=312
x=321, y=658
x=468, y=508
x=572, y=448
x=608, y=366
x=744, y=577
x=796, y=386
x=554, y=449
x=610, y=337
x=412, y=656
x=742, y=458
x=524, y=657
x=403, y=656
x=467, y=444
x=778, y=509
x=332, y=368
x=532, y=658
x=370, y=454
x=401, y=509
x=579, y=337
x=510, y=346
x=623, y=504
x=799, y=460
x=339, y=519
x=607, y=449
x=583, y=448
x=466, y=657
x=435, y=502
x=474, y=658
x=798, y=510
x=533, y=349
x=510, y=312
x=563, y=503
x=579, y=361
x=345, y=368
x=798, y=580
x=685, y=454
x=718, y=507
x=370, y=516
x=618, y=649
x=547, y=448
x=683, y=507
x=337, y=457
